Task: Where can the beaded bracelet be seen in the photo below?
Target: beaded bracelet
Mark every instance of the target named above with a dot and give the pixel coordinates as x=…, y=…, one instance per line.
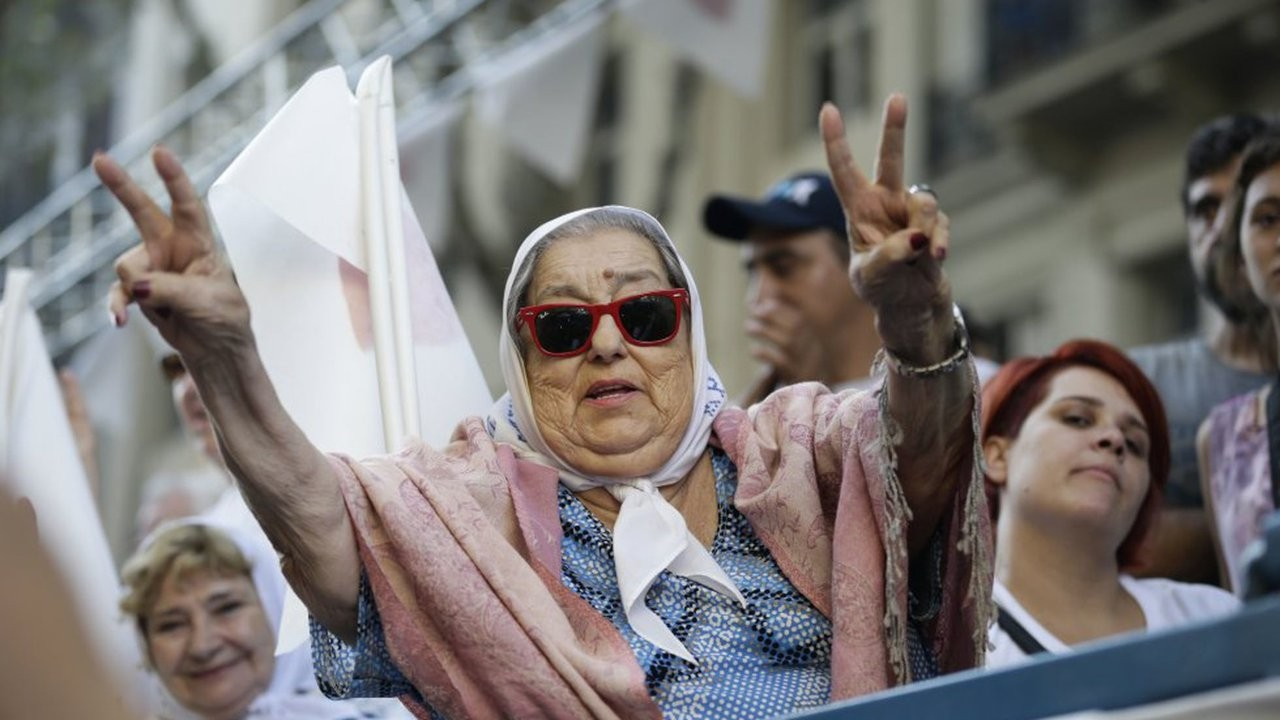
x=956, y=359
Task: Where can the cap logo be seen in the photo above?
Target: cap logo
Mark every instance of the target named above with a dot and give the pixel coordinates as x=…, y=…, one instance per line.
x=797, y=191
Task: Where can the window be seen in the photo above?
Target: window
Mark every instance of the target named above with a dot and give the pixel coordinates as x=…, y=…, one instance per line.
x=836, y=60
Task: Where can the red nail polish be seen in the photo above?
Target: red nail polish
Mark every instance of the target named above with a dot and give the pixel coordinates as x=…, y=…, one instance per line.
x=141, y=290
x=942, y=254
x=918, y=241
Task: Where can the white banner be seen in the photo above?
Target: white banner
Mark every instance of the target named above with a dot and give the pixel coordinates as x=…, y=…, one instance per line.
x=727, y=38
x=39, y=464
x=542, y=95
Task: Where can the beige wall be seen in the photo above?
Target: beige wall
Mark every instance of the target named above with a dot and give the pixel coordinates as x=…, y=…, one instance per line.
x=1054, y=257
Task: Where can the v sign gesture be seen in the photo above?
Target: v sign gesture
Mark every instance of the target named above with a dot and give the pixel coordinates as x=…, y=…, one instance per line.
x=177, y=275
x=185, y=287
x=898, y=241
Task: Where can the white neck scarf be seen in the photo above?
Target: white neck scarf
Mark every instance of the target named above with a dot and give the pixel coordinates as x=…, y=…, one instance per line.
x=650, y=535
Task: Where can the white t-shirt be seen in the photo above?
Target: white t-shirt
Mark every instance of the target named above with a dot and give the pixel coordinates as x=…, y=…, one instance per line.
x=1164, y=604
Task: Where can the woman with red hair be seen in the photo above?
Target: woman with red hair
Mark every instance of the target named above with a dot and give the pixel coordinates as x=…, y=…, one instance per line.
x=1077, y=454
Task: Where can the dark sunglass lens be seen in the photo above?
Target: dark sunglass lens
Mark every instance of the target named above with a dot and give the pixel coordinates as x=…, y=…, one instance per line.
x=649, y=318
x=563, y=330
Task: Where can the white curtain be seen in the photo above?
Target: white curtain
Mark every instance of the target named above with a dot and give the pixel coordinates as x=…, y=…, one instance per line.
x=728, y=39
x=541, y=96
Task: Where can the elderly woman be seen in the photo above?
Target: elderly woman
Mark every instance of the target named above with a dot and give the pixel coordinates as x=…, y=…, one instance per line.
x=611, y=541
x=1236, y=442
x=1077, y=455
x=205, y=600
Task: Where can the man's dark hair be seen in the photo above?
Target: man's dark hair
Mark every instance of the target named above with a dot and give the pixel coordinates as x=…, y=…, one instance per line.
x=1215, y=144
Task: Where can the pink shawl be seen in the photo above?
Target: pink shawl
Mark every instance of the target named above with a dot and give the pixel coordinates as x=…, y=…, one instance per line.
x=462, y=552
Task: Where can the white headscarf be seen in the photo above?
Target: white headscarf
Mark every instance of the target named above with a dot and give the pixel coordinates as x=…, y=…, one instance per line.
x=292, y=693
x=650, y=535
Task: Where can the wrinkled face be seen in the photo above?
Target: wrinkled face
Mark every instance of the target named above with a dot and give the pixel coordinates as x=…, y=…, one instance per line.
x=618, y=409
x=210, y=643
x=802, y=270
x=1259, y=235
x=1205, y=196
x=1081, y=457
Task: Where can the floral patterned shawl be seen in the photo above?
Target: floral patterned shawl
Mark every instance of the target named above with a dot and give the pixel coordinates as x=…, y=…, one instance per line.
x=462, y=552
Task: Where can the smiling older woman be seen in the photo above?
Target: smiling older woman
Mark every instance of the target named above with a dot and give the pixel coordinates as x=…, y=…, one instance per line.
x=611, y=541
x=205, y=600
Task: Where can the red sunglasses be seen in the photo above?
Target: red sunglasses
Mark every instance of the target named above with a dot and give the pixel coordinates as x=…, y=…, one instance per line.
x=564, y=330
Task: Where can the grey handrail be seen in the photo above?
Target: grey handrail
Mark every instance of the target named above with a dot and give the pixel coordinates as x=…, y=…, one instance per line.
x=72, y=236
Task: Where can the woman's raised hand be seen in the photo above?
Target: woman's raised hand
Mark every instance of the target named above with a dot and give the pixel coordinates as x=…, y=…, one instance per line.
x=176, y=275
x=898, y=240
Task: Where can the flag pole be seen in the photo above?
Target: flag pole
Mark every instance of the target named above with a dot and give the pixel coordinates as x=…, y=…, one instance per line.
x=377, y=245
x=397, y=265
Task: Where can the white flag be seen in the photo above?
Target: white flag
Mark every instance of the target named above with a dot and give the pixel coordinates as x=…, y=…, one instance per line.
x=290, y=211
x=727, y=38
x=541, y=96
x=39, y=463
x=294, y=213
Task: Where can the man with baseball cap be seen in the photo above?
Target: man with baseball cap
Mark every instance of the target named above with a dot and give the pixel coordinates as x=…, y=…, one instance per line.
x=805, y=321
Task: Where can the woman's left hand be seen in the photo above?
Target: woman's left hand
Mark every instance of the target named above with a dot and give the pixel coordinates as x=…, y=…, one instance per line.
x=898, y=240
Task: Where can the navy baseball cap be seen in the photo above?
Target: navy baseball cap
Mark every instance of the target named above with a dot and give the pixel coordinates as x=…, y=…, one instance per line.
x=804, y=201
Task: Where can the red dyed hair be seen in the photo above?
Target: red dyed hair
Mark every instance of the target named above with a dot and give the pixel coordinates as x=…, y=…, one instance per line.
x=1013, y=392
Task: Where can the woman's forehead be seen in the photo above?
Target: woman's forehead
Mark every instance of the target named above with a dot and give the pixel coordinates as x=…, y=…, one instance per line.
x=604, y=259
x=196, y=584
x=1087, y=382
x=1263, y=186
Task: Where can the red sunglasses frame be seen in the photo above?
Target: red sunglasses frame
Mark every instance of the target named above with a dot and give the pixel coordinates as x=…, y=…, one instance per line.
x=528, y=315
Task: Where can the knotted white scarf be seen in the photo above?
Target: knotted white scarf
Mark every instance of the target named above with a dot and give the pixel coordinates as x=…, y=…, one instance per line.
x=650, y=535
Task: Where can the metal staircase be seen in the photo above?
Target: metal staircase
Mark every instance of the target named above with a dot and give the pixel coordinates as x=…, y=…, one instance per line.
x=72, y=237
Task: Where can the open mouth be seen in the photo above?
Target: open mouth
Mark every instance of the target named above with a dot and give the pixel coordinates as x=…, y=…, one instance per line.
x=609, y=389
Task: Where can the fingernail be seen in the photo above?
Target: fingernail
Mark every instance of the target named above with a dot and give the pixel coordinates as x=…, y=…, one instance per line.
x=142, y=290
x=942, y=254
x=113, y=318
x=918, y=241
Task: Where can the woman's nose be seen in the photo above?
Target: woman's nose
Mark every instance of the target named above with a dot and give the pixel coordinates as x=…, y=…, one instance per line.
x=1111, y=439
x=205, y=640
x=607, y=343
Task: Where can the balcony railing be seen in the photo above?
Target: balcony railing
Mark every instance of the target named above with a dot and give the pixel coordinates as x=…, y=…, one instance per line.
x=72, y=237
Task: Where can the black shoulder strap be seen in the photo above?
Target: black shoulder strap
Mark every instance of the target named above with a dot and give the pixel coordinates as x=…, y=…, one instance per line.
x=1017, y=633
x=1273, y=441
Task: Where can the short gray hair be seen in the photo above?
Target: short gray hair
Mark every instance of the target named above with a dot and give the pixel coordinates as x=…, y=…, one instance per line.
x=601, y=219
